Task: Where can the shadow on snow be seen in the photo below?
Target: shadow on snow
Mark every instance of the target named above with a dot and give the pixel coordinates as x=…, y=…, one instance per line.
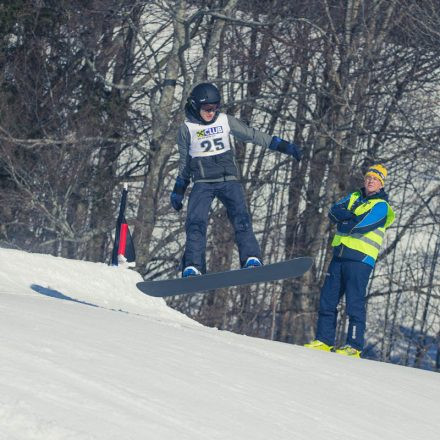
x=55, y=294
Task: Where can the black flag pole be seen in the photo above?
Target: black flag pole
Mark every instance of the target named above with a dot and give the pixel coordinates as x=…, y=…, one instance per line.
x=123, y=248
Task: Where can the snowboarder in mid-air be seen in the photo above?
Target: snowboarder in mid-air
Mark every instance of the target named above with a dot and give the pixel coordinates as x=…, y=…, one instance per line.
x=207, y=157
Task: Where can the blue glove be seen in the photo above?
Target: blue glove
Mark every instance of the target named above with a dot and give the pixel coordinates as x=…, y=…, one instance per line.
x=278, y=144
x=178, y=193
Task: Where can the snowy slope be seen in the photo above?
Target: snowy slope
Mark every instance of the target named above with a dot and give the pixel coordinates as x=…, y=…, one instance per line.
x=84, y=355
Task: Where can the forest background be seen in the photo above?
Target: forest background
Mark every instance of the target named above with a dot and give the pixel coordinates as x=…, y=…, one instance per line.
x=91, y=96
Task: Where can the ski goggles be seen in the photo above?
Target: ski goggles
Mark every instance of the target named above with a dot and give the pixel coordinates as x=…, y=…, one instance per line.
x=210, y=108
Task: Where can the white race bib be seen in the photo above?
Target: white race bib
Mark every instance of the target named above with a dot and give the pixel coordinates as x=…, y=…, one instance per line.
x=209, y=140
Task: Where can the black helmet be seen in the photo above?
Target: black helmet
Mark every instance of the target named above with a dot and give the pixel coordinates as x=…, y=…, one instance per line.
x=204, y=93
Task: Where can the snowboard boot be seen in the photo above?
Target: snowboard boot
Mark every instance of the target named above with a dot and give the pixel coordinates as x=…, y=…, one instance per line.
x=252, y=262
x=318, y=345
x=348, y=350
x=190, y=271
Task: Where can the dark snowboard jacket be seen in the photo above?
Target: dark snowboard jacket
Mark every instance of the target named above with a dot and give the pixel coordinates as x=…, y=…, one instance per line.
x=220, y=167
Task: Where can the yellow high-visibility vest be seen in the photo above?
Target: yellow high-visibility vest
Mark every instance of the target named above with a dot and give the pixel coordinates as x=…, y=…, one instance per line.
x=369, y=243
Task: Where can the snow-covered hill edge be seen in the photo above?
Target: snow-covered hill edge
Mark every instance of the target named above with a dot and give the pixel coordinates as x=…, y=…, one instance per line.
x=84, y=355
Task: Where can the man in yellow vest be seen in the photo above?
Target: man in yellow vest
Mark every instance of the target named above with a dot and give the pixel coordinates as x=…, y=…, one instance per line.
x=361, y=218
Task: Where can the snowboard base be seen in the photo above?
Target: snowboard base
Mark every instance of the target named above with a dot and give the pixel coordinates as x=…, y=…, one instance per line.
x=216, y=280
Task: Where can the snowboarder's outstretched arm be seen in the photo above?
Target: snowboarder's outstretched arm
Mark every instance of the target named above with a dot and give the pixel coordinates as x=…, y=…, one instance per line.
x=245, y=133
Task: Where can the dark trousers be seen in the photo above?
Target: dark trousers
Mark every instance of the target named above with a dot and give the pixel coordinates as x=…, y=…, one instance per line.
x=231, y=194
x=351, y=278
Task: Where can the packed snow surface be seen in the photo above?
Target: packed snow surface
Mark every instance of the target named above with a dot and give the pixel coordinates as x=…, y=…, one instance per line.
x=84, y=355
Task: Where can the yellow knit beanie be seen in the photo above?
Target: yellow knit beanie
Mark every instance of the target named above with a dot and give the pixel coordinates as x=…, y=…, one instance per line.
x=378, y=171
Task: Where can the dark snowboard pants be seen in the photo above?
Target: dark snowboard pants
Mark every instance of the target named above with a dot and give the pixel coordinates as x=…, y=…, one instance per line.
x=231, y=194
x=351, y=278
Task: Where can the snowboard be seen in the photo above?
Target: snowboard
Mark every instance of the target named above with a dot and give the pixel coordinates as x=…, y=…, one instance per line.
x=216, y=280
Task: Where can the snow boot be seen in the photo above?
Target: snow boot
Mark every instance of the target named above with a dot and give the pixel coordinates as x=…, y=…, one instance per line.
x=348, y=350
x=318, y=345
x=190, y=271
x=252, y=262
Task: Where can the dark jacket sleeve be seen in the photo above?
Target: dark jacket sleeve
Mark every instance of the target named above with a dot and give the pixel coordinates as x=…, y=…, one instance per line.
x=368, y=222
x=339, y=211
x=183, y=143
x=244, y=133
